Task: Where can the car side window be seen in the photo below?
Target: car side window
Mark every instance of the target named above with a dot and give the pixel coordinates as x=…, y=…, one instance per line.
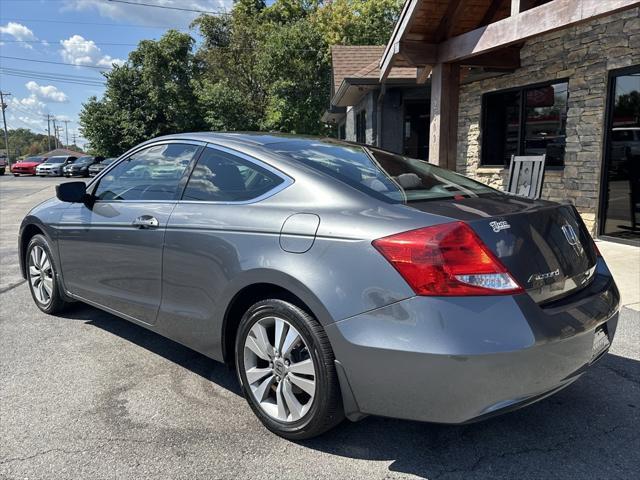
x=150, y=174
x=222, y=177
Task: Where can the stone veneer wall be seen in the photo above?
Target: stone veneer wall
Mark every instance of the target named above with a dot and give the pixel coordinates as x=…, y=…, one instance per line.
x=584, y=54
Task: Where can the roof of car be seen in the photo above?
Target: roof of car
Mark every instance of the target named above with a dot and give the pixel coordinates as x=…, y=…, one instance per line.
x=247, y=138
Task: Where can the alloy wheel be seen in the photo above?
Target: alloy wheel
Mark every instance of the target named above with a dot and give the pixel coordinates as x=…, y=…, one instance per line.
x=41, y=274
x=279, y=369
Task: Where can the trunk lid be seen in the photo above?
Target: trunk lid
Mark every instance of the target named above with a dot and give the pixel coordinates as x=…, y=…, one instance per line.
x=545, y=246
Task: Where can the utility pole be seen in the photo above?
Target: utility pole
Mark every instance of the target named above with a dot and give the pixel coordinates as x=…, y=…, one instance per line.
x=59, y=135
x=4, y=121
x=49, y=131
x=66, y=130
x=55, y=132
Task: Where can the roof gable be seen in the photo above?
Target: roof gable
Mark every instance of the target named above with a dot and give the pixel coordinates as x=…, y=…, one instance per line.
x=348, y=60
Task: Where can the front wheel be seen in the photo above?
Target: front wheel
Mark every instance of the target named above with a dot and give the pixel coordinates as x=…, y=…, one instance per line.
x=41, y=274
x=286, y=368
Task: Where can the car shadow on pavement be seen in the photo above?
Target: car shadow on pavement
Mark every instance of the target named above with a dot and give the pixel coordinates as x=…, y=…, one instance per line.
x=588, y=430
x=162, y=346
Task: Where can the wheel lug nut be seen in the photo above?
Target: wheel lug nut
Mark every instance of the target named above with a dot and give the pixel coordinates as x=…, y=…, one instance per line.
x=286, y=362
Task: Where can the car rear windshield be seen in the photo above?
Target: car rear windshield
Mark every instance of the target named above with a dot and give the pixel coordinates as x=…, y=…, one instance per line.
x=384, y=175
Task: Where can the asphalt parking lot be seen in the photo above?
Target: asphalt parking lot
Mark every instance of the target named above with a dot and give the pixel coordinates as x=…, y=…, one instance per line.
x=88, y=395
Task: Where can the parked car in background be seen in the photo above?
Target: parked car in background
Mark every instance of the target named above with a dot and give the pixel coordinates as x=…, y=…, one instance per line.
x=54, y=165
x=80, y=168
x=27, y=166
x=338, y=279
x=98, y=167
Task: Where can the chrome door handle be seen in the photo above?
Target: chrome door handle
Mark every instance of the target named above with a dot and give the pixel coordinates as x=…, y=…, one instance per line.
x=146, y=221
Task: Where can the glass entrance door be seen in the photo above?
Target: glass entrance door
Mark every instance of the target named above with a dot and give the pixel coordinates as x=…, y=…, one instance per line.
x=620, y=212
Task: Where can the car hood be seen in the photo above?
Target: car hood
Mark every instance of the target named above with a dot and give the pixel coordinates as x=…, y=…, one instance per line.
x=28, y=164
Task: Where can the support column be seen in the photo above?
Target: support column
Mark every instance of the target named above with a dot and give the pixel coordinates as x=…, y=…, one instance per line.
x=443, y=132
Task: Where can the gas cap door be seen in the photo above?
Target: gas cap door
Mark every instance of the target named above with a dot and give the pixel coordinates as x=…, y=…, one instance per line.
x=299, y=232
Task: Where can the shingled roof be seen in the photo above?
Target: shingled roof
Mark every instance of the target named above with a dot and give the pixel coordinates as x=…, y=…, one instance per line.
x=347, y=60
x=61, y=152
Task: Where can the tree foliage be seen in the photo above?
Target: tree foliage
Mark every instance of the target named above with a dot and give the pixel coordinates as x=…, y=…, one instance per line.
x=23, y=142
x=259, y=68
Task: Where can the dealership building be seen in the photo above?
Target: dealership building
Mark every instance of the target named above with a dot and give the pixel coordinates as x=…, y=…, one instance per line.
x=466, y=84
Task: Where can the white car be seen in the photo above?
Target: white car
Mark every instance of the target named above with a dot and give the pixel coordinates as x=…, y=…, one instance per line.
x=53, y=166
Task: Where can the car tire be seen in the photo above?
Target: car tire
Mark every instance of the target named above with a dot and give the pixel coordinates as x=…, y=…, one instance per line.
x=323, y=410
x=45, y=290
x=16, y=174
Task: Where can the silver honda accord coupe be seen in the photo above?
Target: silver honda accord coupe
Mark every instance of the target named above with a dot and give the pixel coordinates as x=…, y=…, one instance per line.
x=338, y=279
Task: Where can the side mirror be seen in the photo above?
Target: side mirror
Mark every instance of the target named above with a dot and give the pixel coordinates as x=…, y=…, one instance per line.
x=71, y=192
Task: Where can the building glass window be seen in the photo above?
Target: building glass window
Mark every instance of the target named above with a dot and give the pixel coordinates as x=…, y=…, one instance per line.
x=342, y=131
x=525, y=121
x=361, y=126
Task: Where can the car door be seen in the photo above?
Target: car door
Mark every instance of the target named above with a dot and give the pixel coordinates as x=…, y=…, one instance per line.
x=111, y=246
x=211, y=231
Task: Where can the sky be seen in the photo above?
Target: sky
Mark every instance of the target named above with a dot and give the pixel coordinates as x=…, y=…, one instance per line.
x=82, y=38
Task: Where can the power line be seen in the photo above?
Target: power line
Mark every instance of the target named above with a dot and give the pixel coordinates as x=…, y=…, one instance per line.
x=49, y=79
x=31, y=115
x=167, y=7
x=62, y=39
x=143, y=4
x=106, y=24
x=29, y=127
x=10, y=72
x=61, y=75
x=54, y=63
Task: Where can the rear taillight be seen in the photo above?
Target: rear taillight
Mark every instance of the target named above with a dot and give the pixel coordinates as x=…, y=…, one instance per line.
x=447, y=260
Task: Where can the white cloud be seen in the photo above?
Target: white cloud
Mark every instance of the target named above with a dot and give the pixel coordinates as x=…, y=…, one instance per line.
x=47, y=92
x=80, y=51
x=26, y=111
x=149, y=15
x=30, y=102
x=19, y=32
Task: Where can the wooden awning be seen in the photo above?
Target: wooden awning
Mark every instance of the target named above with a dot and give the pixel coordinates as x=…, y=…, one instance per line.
x=429, y=32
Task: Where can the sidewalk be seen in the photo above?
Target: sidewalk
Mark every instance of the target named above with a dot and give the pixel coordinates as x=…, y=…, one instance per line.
x=624, y=263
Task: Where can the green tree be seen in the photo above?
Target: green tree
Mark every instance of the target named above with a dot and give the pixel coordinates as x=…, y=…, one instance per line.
x=23, y=142
x=295, y=68
x=152, y=94
x=259, y=68
x=357, y=22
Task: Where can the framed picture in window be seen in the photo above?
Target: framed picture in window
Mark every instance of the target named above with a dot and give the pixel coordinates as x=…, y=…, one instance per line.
x=526, y=175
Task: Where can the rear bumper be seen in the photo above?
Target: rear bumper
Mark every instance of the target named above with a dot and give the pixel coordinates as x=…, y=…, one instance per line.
x=457, y=360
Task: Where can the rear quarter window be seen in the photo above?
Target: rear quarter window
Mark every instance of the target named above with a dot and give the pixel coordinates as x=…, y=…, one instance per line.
x=381, y=174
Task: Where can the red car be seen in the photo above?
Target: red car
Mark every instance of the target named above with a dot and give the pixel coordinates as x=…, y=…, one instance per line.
x=27, y=166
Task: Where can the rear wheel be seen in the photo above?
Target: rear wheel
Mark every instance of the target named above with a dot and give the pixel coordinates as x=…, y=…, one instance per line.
x=286, y=369
x=41, y=274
